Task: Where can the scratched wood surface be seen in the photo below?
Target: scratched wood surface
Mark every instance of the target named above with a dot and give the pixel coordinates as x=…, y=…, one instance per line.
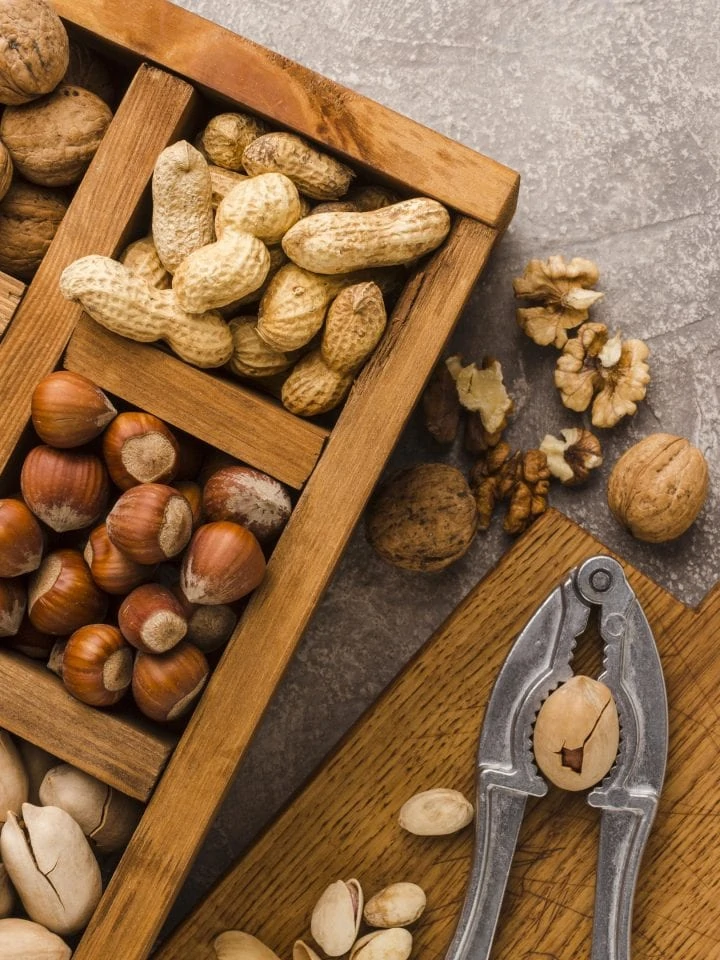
x=11, y=291
x=423, y=733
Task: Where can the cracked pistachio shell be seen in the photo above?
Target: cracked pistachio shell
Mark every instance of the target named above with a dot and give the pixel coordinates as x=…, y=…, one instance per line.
x=236, y=945
x=106, y=816
x=396, y=905
x=51, y=843
x=13, y=777
x=393, y=944
x=7, y=894
x=336, y=918
x=301, y=951
x=37, y=762
x=25, y=940
x=436, y=813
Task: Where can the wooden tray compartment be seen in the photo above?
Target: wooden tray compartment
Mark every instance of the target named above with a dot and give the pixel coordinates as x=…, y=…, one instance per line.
x=335, y=471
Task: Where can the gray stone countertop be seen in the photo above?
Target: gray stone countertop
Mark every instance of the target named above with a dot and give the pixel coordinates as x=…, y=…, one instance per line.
x=610, y=110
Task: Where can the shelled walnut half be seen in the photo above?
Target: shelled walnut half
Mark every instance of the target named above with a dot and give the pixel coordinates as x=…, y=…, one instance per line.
x=610, y=373
x=562, y=290
x=572, y=458
x=521, y=478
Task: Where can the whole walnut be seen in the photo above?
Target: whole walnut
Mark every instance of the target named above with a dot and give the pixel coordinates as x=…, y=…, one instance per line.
x=29, y=218
x=33, y=50
x=88, y=70
x=424, y=518
x=53, y=140
x=6, y=170
x=658, y=487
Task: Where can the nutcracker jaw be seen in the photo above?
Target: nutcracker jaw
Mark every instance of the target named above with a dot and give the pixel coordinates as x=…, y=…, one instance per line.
x=538, y=662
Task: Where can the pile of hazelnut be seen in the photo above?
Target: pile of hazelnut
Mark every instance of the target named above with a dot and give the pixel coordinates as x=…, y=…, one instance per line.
x=135, y=570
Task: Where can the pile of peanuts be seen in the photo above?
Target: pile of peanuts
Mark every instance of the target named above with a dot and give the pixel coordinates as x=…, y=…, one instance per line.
x=137, y=595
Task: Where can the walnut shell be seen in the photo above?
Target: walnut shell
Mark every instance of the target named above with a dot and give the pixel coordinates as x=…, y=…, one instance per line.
x=6, y=170
x=33, y=50
x=88, y=70
x=658, y=487
x=53, y=140
x=424, y=518
x=29, y=219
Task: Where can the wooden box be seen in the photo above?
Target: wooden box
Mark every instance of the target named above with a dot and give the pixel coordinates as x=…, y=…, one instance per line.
x=182, y=69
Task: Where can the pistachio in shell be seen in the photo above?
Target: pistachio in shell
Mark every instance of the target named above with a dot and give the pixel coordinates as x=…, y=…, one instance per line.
x=335, y=920
x=436, y=813
x=7, y=894
x=238, y=945
x=37, y=762
x=397, y=905
x=392, y=944
x=33, y=50
x=13, y=777
x=25, y=940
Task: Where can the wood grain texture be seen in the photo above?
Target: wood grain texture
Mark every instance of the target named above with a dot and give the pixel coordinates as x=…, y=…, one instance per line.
x=11, y=293
x=154, y=110
x=226, y=415
x=360, y=130
x=178, y=818
x=125, y=753
x=423, y=732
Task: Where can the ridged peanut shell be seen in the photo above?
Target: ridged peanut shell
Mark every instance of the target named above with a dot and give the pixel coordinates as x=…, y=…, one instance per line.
x=424, y=518
x=221, y=272
x=265, y=206
x=277, y=260
x=315, y=174
x=355, y=323
x=14, y=784
x=183, y=218
x=226, y=136
x=129, y=306
x=237, y=945
x=52, y=140
x=33, y=50
x=294, y=306
x=52, y=868
x=223, y=182
x=658, y=487
x=252, y=356
x=29, y=219
x=436, y=813
x=142, y=260
x=332, y=243
x=313, y=387
x=25, y=940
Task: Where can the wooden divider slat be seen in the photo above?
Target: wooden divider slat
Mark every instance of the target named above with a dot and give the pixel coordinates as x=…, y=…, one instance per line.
x=11, y=293
x=226, y=415
x=125, y=753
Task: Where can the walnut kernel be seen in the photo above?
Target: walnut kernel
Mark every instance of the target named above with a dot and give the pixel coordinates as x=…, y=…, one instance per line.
x=562, y=289
x=572, y=458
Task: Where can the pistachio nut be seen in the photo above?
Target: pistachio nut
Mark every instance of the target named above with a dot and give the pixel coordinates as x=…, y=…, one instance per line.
x=392, y=944
x=336, y=918
x=25, y=940
x=13, y=777
x=7, y=894
x=436, y=813
x=236, y=945
x=396, y=905
x=106, y=816
x=301, y=951
x=37, y=762
x=47, y=841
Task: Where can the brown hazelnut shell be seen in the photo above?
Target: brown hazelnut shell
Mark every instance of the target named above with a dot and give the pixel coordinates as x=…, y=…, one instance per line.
x=209, y=626
x=152, y=619
x=69, y=410
x=21, y=539
x=13, y=602
x=97, y=665
x=31, y=642
x=66, y=489
x=150, y=523
x=223, y=563
x=62, y=595
x=112, y=570
x=139, y=448
x=250, y=498
x=165, y=686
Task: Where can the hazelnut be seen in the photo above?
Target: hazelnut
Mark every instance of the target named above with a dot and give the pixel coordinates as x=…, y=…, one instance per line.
x=209, y=627
x=139, y=448
x=424, y=518
x=34, y=54
x=150, y=523
x=53, y=140
x=194, y=495
x=165, y=686
x=577, y=733
x=69, y=410
x=97, y=665
x=223, y=563
x=62, y=595
x=66, y=489
x=21, y=539
x=31, y=642
x=112, y=570
x=658, y=487
x=250, y=498
x=13, y=601
x=152, y=619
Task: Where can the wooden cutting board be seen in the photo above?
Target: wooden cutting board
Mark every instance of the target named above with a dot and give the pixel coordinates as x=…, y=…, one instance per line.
x=423, y=732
